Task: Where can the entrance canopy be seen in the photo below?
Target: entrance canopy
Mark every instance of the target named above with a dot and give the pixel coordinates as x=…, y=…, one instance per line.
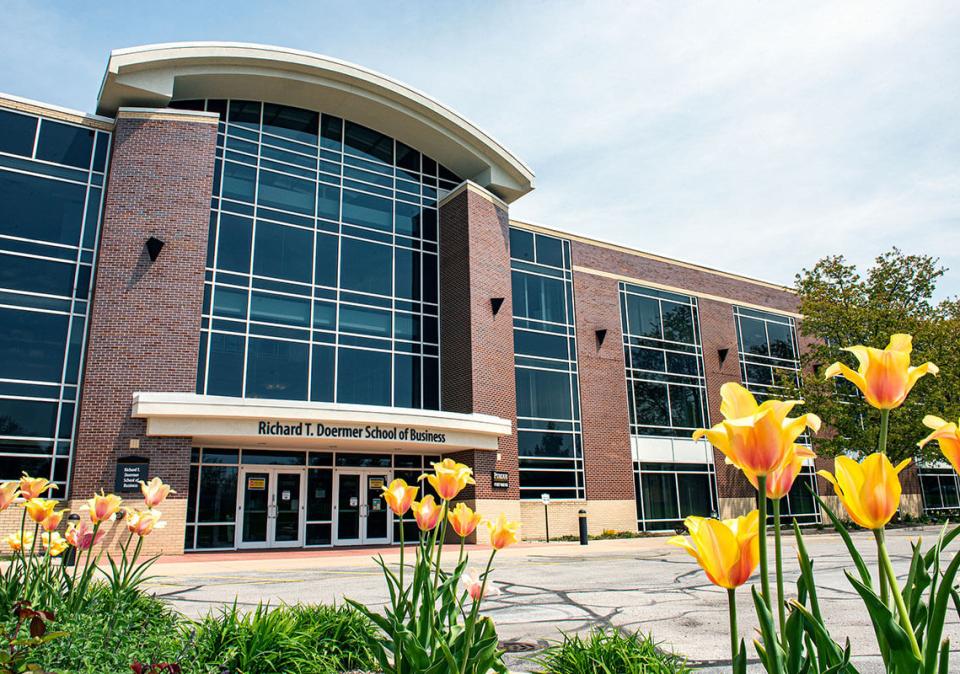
x=219, y=420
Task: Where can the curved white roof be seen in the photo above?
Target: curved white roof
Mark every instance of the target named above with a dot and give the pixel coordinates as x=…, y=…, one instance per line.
x=153, y=75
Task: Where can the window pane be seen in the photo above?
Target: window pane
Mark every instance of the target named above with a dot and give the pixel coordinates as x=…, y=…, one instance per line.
x=65, y=144
x=659, y=496
x=651, y=403
x=31, y=418
x=647, y=359
x=283, y=252
x=239, y=181
x=407, y=273
x=321, y=374
x=678, y=323
x=521, y=245
x=540, y=344
x=781, y=341
x=367, y=210
x=326, y=263
x=218, y=486
x=39, y=276
x=287, y=193
x=538, y=297
x=233, y=246
x=32, y=345
x=643, y=316
x=295, y=123
x=276, y=369
x=543, y=394
x=17, y=133
x=225, y=376
x=364, y=377
x=366, y=267
x=319, y=494
x=685, y=407
x=753, y=336
x=408, y=218
x=406, y=387
x=694, y=492
x=230, y=302
x=549, y=251
x=368, y=143
x=39, y=208
x=365, y=321
x=546, y=444
x=328, y=202
x=280, y=309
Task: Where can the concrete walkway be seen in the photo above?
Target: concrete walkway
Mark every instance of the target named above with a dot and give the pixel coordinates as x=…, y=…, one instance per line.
x=548, y=589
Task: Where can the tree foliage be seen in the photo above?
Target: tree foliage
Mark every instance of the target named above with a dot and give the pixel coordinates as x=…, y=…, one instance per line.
x=842, y=307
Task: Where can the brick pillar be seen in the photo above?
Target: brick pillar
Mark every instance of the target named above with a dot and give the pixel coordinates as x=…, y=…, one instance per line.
x=477, y=347
x=608, y=463
x=719, y=331
x=145, y=316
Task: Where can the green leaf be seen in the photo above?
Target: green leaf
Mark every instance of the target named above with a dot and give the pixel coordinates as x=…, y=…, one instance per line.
x=938, y=612
x=888, y=629
x=770, y=650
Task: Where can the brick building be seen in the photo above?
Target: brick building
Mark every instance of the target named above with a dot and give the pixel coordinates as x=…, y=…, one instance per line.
x=277, y=281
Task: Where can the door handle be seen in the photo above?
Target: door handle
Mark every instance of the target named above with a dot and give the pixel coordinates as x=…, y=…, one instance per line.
x=272, y=512
x=363, y=510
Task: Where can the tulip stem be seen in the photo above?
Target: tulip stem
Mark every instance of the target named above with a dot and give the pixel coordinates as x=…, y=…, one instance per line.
x=884, y=427
x=734, y=632
x=887, y=566
x=764, y=566
x=882, y=448
x=778, y=560
x=475, y=609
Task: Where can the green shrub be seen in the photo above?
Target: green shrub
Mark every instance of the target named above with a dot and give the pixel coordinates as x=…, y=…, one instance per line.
x=303, y=639
x=609, y=652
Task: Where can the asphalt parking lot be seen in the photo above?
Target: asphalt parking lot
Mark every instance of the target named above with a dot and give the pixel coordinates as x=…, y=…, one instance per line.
x=638, y=584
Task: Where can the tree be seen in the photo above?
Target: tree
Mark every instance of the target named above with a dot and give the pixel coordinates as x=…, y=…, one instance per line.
x=841, y=308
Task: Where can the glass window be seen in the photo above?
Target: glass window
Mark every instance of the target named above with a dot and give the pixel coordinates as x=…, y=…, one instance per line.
x=331, y=130
x=239, y=182
x=538, y=297
x=365, y=321
x=365, y=266
x=678, y=323
x=328, y=201
x=225, y=376
x=367, y=210
x=540, y=344
x=17, y=133
x=650, y=401
x=319, y=494
x=408, y=218
x=40, y=208
x=549, y=251
x=278, y=190
x=32, y=418
x=406, y=385
x=283, y=252
x=233, y=244
x=38, y=276
x=294, y=123
x=276, y=369
x=321, y=382
x=65, y=144
x=643, y=316
x=245, y=114
x=326, y=260
x=543, y=394
x=369, y=381
x=407, y=273
x=218, y=484
x=230, y=302
x=32, y=345
x=753, y=336
x=521, y=245
x=279, y=309
x=368, y=143
x=659, y=492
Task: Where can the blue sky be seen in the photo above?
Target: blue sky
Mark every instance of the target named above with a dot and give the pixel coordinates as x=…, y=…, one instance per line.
x=752, y=137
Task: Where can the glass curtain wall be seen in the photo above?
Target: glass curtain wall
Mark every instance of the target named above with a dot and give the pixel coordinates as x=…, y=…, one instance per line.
x=51, y=192
x=666, y=398
x=940, y=487
x=770, y=361
x=322, y=266
x=545, y=346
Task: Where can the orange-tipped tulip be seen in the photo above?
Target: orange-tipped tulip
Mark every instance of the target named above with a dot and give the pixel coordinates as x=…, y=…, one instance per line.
x=81, y=536
x=9, y=491
x=780, y=481
x=399, y=496
x=463, y=520
x=39, y=509
x=142, y=522
x=449, y=478
x=869, y=490
x=728, y=551
x=53, y=543
x=756, y=438
x=18, y=542
x=52, y=521
x=885, y=376
x=103, y=507
x=427, y=513
x=155, y=492
x=502, y=532
x=33, y=487
x=947, y=436
x=473, y=581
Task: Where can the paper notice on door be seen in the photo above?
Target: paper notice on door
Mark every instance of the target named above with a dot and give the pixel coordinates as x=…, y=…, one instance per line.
x=256, y=483
x=376, y=505
x=285, y=495
x=376, y=483
x=354, y=501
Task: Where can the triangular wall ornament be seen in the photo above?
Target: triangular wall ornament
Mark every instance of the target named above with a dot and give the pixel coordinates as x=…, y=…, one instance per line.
x=722, y=355
x=601, y=335
x=154, y=246
x=495, y=304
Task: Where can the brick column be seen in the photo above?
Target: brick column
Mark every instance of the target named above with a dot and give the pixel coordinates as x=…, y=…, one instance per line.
x=145, y=316
x=719, y=331
x=477, y=372
x=608, y=463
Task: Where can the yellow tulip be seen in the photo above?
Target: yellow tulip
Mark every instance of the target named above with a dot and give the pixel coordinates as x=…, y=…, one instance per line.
x=449, y=478
x=885, y=376
x=756, y=438
x=427, y=513
x=502, y=532
x=52, y=521
x=399, y=496
x=103, y=507
x=869, y=490
x=155, y=492
x=947, y=436
x=463, y=520
x=53, y=543
x=18, y=542
x=780, y=480
x=143, y=522
x=33, y=487
x=39, y=509
x=9, y=491
x=728, y=551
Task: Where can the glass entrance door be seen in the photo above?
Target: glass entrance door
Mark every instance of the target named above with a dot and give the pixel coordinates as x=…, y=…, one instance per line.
x=361, y=513
x=270, y=508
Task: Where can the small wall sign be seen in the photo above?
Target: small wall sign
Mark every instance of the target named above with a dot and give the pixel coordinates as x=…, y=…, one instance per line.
x=376, y=483
x=500, y=479
x=130, y=470
x=256, y=483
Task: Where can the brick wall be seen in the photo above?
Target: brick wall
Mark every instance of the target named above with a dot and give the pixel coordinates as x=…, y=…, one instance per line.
x=603, y=395
x=145, y=316
x=477, y=347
